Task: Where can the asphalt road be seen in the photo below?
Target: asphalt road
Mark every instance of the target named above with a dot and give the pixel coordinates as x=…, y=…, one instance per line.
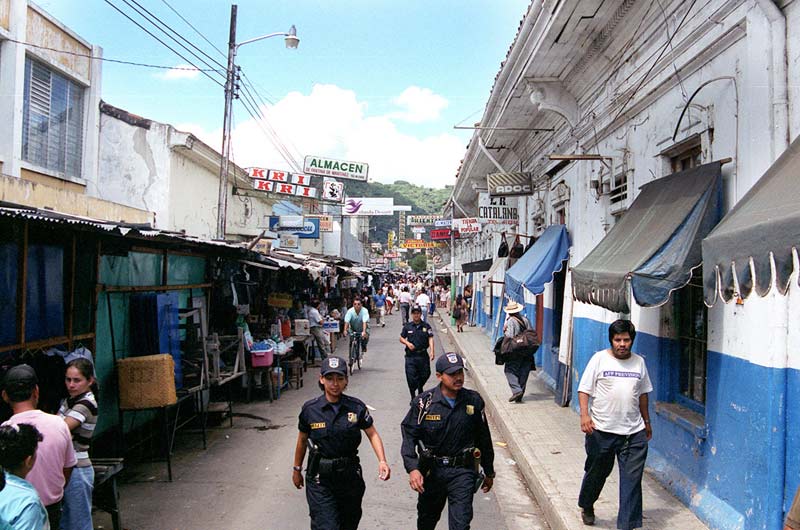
x=243, y=480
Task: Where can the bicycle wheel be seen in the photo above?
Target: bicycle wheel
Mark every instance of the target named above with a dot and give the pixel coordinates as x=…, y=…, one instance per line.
x=359, y=357
x=353, y=345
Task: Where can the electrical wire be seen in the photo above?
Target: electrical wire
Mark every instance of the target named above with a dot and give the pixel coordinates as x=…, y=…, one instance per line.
x=123, y=13
x=270, y=134
x=108, y=60
x=191, y=26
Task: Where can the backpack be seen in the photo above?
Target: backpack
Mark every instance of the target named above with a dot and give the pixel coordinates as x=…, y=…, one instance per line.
x=524, y=344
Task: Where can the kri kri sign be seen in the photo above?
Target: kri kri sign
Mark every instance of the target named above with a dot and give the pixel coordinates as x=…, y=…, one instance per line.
x=283, y=182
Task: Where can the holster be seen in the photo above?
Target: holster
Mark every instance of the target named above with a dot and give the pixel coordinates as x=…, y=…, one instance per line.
x=314, y=456
x=425, y=459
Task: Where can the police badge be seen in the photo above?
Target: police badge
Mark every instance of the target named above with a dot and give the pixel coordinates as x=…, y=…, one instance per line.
x=470, y=410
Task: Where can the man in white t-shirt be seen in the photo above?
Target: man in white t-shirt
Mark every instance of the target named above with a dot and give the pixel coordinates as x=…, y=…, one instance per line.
x=616, y=423
x=423, y=301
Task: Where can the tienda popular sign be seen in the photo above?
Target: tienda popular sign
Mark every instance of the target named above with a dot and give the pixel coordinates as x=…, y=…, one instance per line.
x=467, y=225
x=329, y=167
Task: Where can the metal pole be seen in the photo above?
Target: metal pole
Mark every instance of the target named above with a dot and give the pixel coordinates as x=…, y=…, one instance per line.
x=222, y=199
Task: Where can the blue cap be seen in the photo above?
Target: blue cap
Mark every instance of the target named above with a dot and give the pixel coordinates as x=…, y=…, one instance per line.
x=449, y=363
x=333, y=365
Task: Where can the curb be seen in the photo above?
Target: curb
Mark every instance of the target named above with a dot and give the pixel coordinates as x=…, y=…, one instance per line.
x=542, y=488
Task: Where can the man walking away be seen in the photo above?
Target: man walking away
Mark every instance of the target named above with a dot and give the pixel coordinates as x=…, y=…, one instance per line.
x=315, y=326
x=616, y=423
x=423, y=301
x=417, y=337
x=517, y=367
x=380, y=308
x=405, y=303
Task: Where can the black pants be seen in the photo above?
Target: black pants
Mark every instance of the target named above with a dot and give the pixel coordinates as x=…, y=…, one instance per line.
x=446, y=484
x=334, y=503
x=418, y=370
x=404, y=308
x=631, y=453
x=54, y=514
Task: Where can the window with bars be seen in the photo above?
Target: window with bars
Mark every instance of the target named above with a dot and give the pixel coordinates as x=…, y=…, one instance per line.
x=52, y=128
x=691, y=318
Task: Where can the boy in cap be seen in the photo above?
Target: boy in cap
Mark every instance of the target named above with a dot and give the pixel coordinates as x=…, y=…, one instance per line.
x=448, y=425
x=55, y=456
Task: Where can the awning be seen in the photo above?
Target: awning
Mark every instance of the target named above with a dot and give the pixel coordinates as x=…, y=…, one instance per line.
x=447, y=269
x=765, y=221
x=259, y=265
x=477, y=266
x=498, y=264
x=656, y=243
x=536, y=267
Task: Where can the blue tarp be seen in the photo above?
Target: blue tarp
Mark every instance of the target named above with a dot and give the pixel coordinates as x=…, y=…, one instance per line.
x=536, y=267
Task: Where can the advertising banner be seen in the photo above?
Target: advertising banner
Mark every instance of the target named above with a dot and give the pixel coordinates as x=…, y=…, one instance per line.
x=283, y=300
x=467, y=225
x=332, y=190
x=438, y=235
x=497, y=210
x=329, y=167
x=289, y=241
x=368, y=206
x=421, y=243
x=418, y=229
x=309, y=230
x=423, y=219
x=282, y=182
x=443, y=223
x=508, y=184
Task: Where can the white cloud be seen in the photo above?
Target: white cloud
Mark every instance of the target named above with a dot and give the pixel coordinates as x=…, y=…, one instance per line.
x=181, y=71
x=332, y=122
x=420, y=105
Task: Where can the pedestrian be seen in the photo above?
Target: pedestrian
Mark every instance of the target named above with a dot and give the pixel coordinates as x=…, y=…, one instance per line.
x=444, y=297
x=405, y=299
x=417, y=337
x=331, y=426
x=423, y=301
x=79, y=411
x=446, y=440
x=55, y=457
x=316, y=329
x=380, y=308
x=517, y=366
x=617, y=423
x=357, y=319
x=20, y=506
x=390, y=300
x=468, y=300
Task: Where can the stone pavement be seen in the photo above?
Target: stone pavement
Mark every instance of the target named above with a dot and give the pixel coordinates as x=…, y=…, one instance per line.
x=547, y=444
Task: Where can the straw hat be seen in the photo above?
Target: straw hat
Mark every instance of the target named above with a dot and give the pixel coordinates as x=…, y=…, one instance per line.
x=512, y=308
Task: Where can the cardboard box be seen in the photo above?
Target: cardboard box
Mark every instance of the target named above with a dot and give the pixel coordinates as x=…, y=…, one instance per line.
x=146, y=382
x=301, y=327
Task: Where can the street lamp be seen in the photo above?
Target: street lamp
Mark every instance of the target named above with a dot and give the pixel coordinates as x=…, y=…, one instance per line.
x=292, y=41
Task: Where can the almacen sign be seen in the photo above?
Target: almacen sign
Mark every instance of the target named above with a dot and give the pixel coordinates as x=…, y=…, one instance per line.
x=329, y=167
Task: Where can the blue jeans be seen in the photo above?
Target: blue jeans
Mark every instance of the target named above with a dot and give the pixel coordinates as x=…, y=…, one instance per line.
x=77, y=511
x=631, y=453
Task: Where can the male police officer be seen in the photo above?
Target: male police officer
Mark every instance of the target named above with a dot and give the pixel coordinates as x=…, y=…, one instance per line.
x=448, y=425
x=417, y=337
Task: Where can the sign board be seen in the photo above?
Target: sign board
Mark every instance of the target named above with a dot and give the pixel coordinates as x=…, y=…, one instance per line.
x=442, y=233
x=263, y=246
x=290, y=241
x=331, y=326
x=418, y=229
x=282, y=182
x=443, y=223
x=368, y=206
x=391, y=255
x=283, y=300
x=309, y=230
x=332, y=190
x=467, y=225
x=509, y=184
x=325, y=222
x=420, y=243
x=423, y=219
x=329, y=167
x=497, y=210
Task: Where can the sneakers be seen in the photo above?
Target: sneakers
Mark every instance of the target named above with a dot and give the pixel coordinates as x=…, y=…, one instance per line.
x=517, y=396
x=587, y=516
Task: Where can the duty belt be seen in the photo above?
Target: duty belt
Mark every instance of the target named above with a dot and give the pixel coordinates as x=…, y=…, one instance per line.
x=328, y=466
x=452, y=461
x=417, y=353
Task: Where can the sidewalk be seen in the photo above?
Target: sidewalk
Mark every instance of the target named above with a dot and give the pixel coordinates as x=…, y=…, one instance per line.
x=547, y=444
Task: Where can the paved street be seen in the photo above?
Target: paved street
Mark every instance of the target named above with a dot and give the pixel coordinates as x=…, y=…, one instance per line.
x=243, y=481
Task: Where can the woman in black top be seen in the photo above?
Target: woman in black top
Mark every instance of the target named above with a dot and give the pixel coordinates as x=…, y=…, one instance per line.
x=331, y=426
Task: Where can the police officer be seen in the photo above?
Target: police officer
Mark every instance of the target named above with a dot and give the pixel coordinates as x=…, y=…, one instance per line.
x=446, y=441
x=331, y=426
x=417, y=337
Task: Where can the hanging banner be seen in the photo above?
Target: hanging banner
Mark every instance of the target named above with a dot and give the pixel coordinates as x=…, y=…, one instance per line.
x=443, y=223
x=467, y=225
x=309, y=230
x=368, y=206
x=283, y=300
x=418, y=229
x=421, y=243
x=497, y=210
x=282, y=182
x=328, y=167
x=423, y=219
x=332, y=190
x=438, y=235
x=325, y=222
x=509, y=184
x=289, y=241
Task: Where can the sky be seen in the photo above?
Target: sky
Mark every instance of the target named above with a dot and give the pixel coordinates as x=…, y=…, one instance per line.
x=376, y=81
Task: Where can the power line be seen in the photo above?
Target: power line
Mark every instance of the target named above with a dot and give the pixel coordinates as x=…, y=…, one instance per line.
x=107, y=60
x=271, y=134
x=191, y=26
x=205, y=73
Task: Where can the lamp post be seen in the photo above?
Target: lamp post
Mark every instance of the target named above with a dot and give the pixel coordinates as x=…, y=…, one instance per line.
x=292, y=41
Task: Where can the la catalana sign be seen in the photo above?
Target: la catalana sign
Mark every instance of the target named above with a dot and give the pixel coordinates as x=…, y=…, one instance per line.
x=329, y=167
x=421, y=243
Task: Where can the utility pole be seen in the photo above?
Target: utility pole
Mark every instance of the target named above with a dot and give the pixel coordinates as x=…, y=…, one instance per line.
x=230, y=87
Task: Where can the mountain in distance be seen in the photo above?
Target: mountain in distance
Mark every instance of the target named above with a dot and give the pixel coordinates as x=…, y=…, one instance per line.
x=422, y=200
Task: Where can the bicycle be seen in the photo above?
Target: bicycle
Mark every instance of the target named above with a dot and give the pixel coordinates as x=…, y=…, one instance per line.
x=355, y=351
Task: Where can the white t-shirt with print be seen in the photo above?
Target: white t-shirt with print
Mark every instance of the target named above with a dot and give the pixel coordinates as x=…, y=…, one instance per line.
x=615, y=386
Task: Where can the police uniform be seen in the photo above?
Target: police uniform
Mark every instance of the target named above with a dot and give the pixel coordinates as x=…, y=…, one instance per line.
x=418, y=364
x=334, y=483
x=448, y=433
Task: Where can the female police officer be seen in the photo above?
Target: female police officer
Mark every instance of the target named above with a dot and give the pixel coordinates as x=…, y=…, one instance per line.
x=331, y=426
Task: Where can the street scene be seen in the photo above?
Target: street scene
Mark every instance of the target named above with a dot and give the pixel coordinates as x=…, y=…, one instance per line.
x=380, y=265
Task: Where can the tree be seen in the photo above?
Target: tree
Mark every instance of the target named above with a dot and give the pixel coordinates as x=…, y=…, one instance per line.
x=419, y=263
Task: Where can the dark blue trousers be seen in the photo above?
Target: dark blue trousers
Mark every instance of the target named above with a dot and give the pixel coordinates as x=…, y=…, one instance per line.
x=334, y=503
x=418, y=370
x=446, y=484
x=631, y=453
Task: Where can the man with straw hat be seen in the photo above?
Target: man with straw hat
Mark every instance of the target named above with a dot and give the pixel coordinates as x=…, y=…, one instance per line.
x=517, y=366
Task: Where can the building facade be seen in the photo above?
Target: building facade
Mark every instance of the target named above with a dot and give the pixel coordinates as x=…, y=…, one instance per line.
x=598, y=102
